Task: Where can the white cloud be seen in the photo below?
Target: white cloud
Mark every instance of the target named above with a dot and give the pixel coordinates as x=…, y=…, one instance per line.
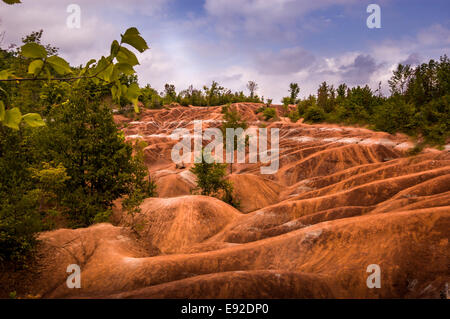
x=201, y=48
x=99, y=26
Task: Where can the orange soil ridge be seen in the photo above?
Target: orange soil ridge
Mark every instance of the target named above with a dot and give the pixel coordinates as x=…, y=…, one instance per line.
x=343, y=198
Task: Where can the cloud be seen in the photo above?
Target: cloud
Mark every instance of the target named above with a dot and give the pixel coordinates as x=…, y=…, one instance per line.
x=436, y=34
x=286, y=61
x=413, y=59
x=99, y=24
x=360, y=71
x=232, y=41
x=269, y=9
x=266, y=18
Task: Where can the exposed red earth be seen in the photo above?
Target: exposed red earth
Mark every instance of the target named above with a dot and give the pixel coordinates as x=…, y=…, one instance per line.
x=343, y=198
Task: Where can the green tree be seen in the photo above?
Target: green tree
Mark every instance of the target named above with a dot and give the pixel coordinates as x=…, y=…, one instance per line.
x=252, y=87
x=143, y=186
x=19, y=216
x=400, y=79
x=82, y=136
x=232, y=119
x=211, y=180
x=395, y=115
x=170, y=94
x=294, y=91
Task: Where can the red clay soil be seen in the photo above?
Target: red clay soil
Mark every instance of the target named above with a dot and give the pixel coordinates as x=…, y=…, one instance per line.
x=344, y=198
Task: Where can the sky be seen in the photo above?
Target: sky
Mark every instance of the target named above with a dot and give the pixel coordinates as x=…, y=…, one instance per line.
x=271, y=42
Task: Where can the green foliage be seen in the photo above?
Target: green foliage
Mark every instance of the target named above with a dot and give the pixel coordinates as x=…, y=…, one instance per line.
x=133, y=38
x=43, y=60
x=211, y=180
x=395, y=115
x=326, y=97
x=232, y=119
x=416, y=149
x=19, y=218
x=270, y=113
x=303, y=105
x=294, y=116
x=419, y=104
x=61, y=154
x=150, y=98
x=143, y=186
x=11, y=1
x=210, y=96
x=294, y=90
x=210, y=177
x=260, y=109
x=102, y=217
x=252, y=87
x=286, y=101
x=314, y=114
x=82, y=136
x=49, y=182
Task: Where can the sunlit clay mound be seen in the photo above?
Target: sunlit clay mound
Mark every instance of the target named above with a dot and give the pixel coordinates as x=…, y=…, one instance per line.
x=343, y=199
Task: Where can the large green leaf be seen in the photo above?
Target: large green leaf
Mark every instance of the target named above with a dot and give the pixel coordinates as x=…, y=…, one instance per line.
x=115, y=93
x=33, y=119
x=5, y=74
x=133, y=91
x=35, y=67
x=133, y=38
x=85, y=69
x=132, y=31
x=87, y=66
x=2, y=111
x=126, y=56
x=107, y=73
x=59, y=65
x=13, y=118
x=124, y=68
x=11, y=1
x=102, y=64
x=132, y=94
x=115, y=46
x=33, y=50
x=90, y=62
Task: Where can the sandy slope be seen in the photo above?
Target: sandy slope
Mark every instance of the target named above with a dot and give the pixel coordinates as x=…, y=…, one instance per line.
x=343, y=198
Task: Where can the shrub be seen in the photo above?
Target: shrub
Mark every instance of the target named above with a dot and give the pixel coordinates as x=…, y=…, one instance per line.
x=294, y=116
x=314, y=114
x=260, y=109
x=395, y=116
x=211, y=178
x=270, y=113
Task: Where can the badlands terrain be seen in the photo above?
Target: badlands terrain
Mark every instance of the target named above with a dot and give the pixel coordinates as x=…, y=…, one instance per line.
x=343, y=198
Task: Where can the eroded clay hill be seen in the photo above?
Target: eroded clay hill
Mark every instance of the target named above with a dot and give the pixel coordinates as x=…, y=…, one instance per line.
x=343, y=198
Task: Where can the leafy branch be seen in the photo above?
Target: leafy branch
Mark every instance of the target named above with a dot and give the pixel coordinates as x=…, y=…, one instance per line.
x=121, y=61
